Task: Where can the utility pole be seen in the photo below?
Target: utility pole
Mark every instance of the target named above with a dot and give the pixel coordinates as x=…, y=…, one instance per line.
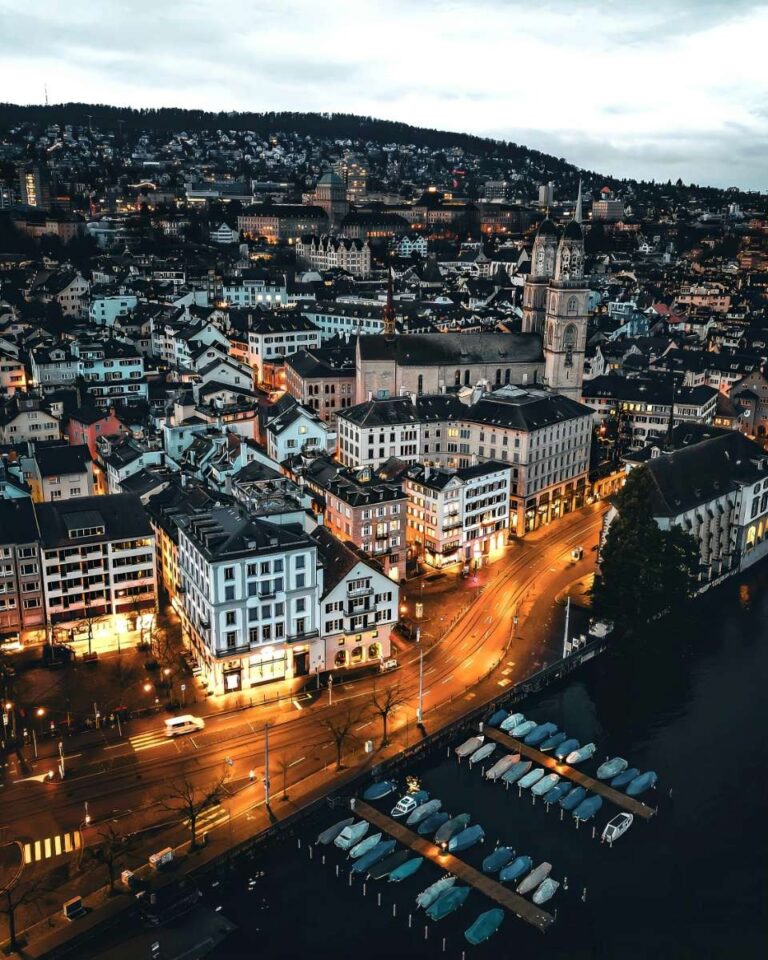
x=266, y=764
x=330, y=690
x=419, y=711
x=566, y=645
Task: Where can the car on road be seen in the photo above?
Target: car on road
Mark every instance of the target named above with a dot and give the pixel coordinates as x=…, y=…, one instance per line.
x=387, y=665
x=177, y=726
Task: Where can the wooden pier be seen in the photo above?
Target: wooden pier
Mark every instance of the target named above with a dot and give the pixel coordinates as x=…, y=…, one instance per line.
x=474, y=878
x=629, y=804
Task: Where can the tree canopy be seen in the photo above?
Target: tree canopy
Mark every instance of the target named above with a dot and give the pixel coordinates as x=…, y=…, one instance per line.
x=644, y=570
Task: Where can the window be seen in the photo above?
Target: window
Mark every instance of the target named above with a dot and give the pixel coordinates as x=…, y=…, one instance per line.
x=300, y=561
x=231, y=618
x=231, y=640
x=229, y=593
x=300, y=580
x=229, y=573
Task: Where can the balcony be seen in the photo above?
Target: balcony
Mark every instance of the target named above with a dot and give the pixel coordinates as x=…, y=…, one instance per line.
x=267, y=594
x=360, y=592
x=452, y=525
x=302, y=637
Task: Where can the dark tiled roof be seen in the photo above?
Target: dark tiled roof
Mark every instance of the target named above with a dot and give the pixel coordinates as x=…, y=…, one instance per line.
x=58, y=459
x=121, y=514
x=443, y=349
x=18, y=522
x=337, y=558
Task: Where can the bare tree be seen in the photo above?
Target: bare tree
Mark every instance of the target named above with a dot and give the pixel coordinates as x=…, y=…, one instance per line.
x=383, y=704
x=123, y=675
x=183, y=796
x=88, y=621
x=284, y=764
x=340, y=729
x=14, y=896
x=110, y=849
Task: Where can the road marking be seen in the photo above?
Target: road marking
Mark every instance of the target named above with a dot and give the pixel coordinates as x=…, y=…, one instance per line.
x=67, y=844
x=504, y=683
x=44, y=849
x=364, y=725
x=27, y=853
x=300, y=760
x=146, y=741
x=447, y=679
x=57, y=844
x=72, y=756
x=297, y=704
x=468, y=661
x=431, y=670
x=114, y=746
x=38, y=850
x=48, y=848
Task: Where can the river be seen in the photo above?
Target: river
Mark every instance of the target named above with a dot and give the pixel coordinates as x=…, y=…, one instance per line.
x=687, y=700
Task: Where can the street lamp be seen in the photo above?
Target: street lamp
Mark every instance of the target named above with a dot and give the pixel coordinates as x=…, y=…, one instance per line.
x=419, y=709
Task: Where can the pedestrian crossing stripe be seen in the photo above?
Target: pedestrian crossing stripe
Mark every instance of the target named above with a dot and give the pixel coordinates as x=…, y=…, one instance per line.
x=213, y=817
x=145, y=741
x=49, y=847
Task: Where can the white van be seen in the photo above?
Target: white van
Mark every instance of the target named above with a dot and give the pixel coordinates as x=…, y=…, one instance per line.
x=176, y=726
x=387, y=665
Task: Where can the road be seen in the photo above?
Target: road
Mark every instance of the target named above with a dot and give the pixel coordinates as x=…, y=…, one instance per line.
x=124, y=779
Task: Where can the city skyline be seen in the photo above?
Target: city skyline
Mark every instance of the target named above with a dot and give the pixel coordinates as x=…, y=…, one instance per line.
x=571, y=80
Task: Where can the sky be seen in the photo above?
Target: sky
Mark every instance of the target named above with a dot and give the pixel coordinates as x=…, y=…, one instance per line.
x=638, y=88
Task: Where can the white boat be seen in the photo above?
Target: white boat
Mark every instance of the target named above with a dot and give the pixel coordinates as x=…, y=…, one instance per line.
x=584, y=753
x=351, y=835
x=501, y=766
x=545, y=784
x=611, y=768
x=531, y=778
x=469, y=746
x=617, y=827
x=545, y=891
x=535, y=877
x=512, y=721
x=427, y=897
x=482, y=753
x=523, y=729
x=408, y=803
x=364, y=846
x=424, y=811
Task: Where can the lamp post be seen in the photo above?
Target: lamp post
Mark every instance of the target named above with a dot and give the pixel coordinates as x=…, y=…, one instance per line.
x=419, y=709
x=266, y=764
x=330, y=690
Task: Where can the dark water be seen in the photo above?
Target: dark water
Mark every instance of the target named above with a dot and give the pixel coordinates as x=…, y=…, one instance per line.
x=690, y=703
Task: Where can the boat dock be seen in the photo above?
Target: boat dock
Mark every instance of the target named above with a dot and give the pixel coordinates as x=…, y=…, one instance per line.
x=474, y=878
x=621, y=800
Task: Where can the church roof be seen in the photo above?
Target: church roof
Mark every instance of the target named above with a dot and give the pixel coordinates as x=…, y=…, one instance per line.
x=547, y=228
x=573, y=231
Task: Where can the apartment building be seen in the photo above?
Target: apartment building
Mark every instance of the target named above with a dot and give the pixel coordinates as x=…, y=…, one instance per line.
x=274, y=336
x=21, y=581
x=335, y=253
x=322, y=379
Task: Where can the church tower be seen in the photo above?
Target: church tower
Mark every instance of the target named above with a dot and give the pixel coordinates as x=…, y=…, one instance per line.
x=542, y=271
x=565, y=324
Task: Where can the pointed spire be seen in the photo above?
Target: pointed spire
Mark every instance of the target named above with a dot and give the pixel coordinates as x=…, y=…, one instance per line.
x=389, y=308
x=577, y=215
x=669, y=441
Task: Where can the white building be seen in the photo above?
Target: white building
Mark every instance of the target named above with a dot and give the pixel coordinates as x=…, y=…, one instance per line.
x=274, y=336
x=105, y=310
x=335, y=253
x=296, y=429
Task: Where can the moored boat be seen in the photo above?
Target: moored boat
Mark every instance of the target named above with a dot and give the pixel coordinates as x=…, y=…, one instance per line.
x=482, y=753
x=451, y=827
x=531, y=778
x=566, y=747
x=611, y=768
x=424, y=811
x=381, y=788
x=556, y=794
x=523, y=728
x=406, y=869
x=447, y=902
x=583, y=753
x=364, y=863
x=573, y=798
x=428, y=826
x=385, y=866
x=466, y=838
x=588, y=807
x=409, y=802
x=496, y=719
x=350, y=835
x=469, y=746
x=485, y=926
x=501, y=766
x=500, y=857
x=545, y=891
x=642, y=783
x=330, y=834
x=544, y=785
x=535, y=877
x=551, y=743
x=625, y=777
x=518, y=868
x=364, y=846
x=435, y=890
x=517, y=771
x=512, y=721
x=617, y=827
x=540, y=733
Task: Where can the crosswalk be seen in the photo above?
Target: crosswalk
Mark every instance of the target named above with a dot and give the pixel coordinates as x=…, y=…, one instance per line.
x=146, y=741
x=62, y=843
x=210, y=818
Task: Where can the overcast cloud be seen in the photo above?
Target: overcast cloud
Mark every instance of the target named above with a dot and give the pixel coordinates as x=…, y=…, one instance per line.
x=642, y=88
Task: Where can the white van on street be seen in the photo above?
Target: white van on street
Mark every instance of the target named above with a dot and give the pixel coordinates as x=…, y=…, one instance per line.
x=176, y=726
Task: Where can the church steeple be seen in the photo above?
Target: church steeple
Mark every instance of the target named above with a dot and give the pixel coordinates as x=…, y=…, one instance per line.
x=577, y=214
x=389, y=309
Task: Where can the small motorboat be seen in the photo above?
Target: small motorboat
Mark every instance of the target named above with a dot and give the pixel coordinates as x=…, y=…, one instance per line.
x=364, y=846
x=384, y=867
x=482, y=753
x=531, y=778
x=496, y=719
x=512, y=721
x=382, y=849
x=485, y=926
x=573, y=798
x=466, y=838
x=469, y=746
x=552, y=742
x=498, y=859
x=611, y=768
x=566, y=747
x=501, y=766
x=329, y=835
x=409, y=802
x=448, y=902
x=406, y=869
x=545, y=891
x=380, y=789
x=350, y=835
x=588, y=807
x=517, y=771
x=451, y=827
x=427, y=827
x=424, y=811
x=583, y=753
x=557, y=793
x=523, y=728
x=544, y=785
x=427, y=897
x=625, y=777
x=535, y=877
x=642, y=783
x=539, y=734
x=617, y=827
x=518, y=868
